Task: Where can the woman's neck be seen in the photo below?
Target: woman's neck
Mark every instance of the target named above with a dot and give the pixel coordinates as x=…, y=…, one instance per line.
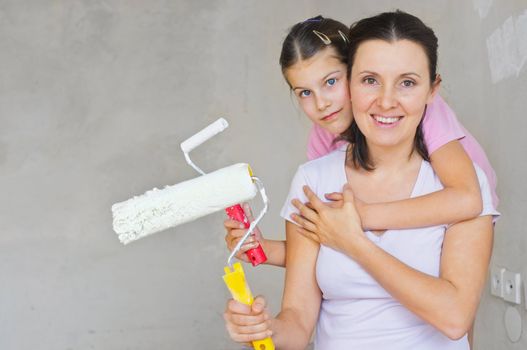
x=393, y=178
x=392, y=158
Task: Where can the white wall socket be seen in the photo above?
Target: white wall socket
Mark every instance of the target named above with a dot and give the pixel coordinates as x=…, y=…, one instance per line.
x=496, y=281
x=512, y=287
x=525, y=295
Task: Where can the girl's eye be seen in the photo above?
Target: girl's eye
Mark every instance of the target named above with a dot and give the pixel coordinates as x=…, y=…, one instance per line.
x=305, y=93
x=331, y=81
x=408, y=83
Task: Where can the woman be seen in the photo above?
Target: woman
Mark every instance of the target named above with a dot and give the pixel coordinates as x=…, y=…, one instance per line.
x=397, y=289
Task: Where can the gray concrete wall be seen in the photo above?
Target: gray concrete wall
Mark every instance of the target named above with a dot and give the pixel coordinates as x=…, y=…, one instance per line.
x=95, y=97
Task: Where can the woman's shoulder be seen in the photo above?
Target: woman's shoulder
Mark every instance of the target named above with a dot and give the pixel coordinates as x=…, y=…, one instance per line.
x=431, y=182
x=427, y=180
x=324, y=171
x=428, y=173
x=327, y=162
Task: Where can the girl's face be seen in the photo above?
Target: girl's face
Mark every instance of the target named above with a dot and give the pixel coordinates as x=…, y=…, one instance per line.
x=321, y=88
x=389, y=88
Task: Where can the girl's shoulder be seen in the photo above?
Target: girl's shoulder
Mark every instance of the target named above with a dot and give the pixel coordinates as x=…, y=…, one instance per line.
x=321, y=142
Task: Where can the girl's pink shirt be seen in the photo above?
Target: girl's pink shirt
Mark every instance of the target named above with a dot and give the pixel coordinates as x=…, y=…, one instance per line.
x=440, y=126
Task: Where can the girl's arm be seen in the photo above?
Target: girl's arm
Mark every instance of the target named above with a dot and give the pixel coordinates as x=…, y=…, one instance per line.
x=293, y=327
x=274, y=250
x=459, y=200
x=448, y=302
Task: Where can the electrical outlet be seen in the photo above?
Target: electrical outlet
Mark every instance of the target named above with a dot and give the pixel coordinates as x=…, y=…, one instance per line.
x=496, y=281
x=512, y=287
x=525, y=295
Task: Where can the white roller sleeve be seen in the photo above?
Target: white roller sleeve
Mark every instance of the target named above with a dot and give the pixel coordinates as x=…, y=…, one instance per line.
x=157, y=210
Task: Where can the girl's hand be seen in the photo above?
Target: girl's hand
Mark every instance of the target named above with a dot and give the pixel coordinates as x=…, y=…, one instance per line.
x=236, y=230
x=246, y=323
x=336, y=199
x=332, y=224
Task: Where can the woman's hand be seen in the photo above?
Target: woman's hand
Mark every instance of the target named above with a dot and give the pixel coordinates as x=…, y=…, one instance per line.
x=246, y=323
x=236, y=230
x=333, y=224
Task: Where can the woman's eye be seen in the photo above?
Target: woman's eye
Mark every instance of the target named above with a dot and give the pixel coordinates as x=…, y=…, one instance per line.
x=305, y=93
x=408, y=83
x=331, y=81
x=369, y=81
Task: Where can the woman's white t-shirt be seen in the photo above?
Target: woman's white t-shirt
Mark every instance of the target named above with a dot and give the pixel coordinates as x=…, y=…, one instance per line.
x=356, y=312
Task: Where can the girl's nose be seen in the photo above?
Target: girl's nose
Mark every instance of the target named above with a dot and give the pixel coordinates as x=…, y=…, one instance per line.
x=323, y=103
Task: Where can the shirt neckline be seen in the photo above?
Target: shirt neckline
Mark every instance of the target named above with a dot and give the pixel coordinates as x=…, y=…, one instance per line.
x=416, y=190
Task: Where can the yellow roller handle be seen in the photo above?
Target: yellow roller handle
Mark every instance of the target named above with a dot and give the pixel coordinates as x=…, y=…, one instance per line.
x=240, y=291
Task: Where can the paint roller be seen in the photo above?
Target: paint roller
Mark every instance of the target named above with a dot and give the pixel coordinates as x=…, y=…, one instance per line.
x=256, y=255
x=234, y=277
x=157, y=210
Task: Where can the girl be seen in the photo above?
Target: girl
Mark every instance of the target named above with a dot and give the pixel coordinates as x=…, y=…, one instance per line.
x=404, y=289
x=323, y=95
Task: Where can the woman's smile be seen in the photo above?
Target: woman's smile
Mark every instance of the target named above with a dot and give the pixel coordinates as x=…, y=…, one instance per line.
x=385, y=121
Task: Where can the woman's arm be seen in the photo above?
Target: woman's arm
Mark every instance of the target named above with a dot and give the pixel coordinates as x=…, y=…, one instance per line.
x=459, y=200
x=293, y=327
x=448, y=302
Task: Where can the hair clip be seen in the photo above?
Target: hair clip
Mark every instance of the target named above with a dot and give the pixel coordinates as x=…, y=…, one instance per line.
x=322, y=37
x=314, y=19
x=344, y=37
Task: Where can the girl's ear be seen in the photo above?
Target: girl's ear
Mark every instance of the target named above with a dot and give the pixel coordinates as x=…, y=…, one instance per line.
x=435, y=88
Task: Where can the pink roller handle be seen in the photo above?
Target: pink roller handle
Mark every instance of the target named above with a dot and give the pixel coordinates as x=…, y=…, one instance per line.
x=256, y=255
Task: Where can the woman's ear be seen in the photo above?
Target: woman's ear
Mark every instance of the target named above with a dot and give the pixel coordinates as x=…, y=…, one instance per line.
x=436, y=84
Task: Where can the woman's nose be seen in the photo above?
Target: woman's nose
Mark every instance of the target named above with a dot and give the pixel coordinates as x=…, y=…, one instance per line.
x=387, y=98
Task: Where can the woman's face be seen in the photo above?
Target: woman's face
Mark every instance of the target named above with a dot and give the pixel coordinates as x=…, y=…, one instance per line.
x=321, y=88
x=389, y=88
